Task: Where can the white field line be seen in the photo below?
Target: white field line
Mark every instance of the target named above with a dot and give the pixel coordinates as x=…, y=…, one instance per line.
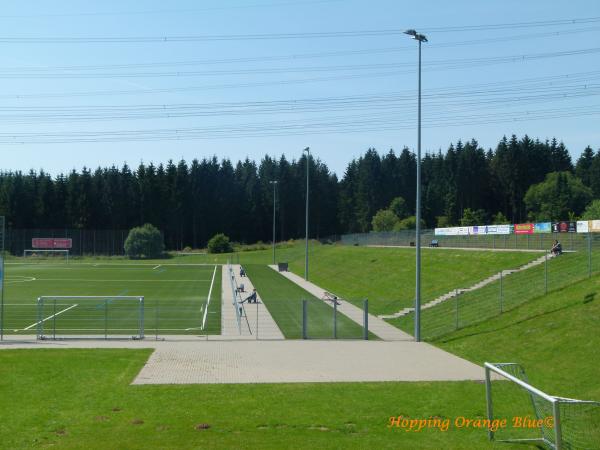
x=108, y=265
x=50, y=317
x=156, y=267
x=208, y=300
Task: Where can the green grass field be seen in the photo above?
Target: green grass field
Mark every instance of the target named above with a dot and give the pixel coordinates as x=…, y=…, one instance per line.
x=58, y=398
x=175, y=298
x=283, y=299
x=386, y=276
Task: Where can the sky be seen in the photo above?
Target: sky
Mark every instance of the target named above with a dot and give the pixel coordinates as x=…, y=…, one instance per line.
x=101, y=83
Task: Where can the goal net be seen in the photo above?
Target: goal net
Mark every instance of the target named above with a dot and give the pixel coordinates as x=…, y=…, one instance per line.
x=47, y=254
x=97, y=317
x=534, y=416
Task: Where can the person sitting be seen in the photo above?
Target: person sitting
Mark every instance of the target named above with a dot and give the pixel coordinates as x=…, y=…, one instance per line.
x=242, y=272
x=252, y=298
x=556, y=248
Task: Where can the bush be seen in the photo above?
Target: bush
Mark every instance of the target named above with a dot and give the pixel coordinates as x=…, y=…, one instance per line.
x=219, y=243
x=144, y=242
x=384, y=220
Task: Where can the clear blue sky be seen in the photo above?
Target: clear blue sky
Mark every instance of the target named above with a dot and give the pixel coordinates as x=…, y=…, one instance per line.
x=140, y=86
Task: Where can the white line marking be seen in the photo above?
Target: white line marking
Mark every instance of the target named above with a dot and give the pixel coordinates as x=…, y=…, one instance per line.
x=156, y=267
x=50, y=317
x=102, y=280
x=208, y=300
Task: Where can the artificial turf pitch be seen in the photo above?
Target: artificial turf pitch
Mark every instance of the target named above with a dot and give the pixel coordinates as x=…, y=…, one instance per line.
x=175, y=298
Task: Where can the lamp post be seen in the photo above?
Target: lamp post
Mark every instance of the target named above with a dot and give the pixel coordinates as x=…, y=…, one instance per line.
x=419, y=38
x=307, y=150
x=274, y=183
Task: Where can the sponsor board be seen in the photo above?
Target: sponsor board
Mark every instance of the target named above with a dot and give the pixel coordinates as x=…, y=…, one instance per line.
x=52, y=243
x=564, y=227
x=595, y=226
x=544, y=227
x=524, y=228
x=583, y=226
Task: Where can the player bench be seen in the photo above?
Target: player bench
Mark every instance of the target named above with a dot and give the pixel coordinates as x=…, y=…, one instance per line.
x=329, y=297
x=434, y=243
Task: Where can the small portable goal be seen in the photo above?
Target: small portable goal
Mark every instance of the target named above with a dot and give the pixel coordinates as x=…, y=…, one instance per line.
x=90, y=317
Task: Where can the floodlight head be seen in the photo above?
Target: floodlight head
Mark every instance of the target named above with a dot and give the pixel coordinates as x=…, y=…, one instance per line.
x=274, y=182
x=416, y=36
x=307, y=149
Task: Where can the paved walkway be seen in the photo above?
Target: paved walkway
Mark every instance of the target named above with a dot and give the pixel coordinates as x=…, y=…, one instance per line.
x=192, y=360
x=377, y=326
x=473, y=249
x=256, y=321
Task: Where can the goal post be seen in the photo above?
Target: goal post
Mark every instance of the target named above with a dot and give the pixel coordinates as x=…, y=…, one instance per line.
x=95, y=317
x=46, y=253
x=535, y=416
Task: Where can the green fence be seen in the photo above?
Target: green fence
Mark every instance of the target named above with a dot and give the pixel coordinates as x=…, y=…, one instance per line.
x=508, y=291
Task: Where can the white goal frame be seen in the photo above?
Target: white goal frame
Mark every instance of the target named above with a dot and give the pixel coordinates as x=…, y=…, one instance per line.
x=554, y=439
x=54, y=302
x=54, y=250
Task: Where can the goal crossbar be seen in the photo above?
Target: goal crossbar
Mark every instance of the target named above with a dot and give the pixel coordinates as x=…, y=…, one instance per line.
x=562, y=434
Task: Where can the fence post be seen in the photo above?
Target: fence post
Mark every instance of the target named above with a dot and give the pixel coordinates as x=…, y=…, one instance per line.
x=156, y=320
x=335, y=319
x=545, y=273
x=456, y=307
x=557, y=429
x=589, y=255
x=105, y=318
x=141, y=317
x=501, y=291
x=304, y=318
x=256, y=332
x=488, y=398
x=366, y=319
x=40, y=304
x=54, y=321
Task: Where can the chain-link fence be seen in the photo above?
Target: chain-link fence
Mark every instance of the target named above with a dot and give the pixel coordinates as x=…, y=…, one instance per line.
x=1, y=277
x=406, y=238
x=507, y=290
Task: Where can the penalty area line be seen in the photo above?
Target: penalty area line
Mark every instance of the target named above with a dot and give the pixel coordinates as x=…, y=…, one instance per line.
x=208, y=300
x=156, y=267
x=50, y=317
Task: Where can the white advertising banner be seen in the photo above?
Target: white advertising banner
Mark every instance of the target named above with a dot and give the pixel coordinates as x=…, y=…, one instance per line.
x=583, y=226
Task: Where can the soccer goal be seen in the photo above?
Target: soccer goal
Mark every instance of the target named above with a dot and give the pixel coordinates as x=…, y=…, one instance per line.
x=95, y=317
x=524, y=413
x=47, y=254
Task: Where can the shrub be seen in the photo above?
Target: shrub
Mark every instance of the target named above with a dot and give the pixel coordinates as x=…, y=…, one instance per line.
x=144, y=242
x=219, y=243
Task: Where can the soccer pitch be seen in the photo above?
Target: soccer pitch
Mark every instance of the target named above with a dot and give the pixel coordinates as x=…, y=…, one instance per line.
x=176, y=298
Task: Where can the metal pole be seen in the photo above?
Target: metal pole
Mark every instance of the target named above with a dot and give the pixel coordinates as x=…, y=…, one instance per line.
x=105, y=318
x=54, y=321
x=274, y=183
x=141, y=317
x=488, y=398
x=304, y=319
x=307, y=150
x=366, y=319
x=256, y=332
x=335, y=319
x=418, y=218
x=501, y=291
x=546, y=273
x=589, y=255
x=557, y=430
x=456, y=306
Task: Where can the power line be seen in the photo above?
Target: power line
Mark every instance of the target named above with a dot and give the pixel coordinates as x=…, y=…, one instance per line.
x=280, y=36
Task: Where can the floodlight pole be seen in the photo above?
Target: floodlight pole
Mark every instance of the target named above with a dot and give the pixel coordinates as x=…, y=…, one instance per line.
x=307, y=150
x=420, y=38
x=274, y=183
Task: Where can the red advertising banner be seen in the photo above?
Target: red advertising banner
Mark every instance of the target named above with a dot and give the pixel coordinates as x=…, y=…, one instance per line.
x=524, y=228
x=52, y=243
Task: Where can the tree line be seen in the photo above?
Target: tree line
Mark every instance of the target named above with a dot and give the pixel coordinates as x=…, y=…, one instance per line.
x=520, y=179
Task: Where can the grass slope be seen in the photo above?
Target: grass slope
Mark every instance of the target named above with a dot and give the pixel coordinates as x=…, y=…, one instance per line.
x=284, y=298
x=73, y=399
x=386, y=275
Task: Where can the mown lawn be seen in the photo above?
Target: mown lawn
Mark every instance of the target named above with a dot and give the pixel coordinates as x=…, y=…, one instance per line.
x=386, y=276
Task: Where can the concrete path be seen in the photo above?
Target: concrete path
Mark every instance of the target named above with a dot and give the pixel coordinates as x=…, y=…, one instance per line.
x=192, y=360
x=456, y=292
x=256, y=321
x=377, y=326
x=472, y=249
